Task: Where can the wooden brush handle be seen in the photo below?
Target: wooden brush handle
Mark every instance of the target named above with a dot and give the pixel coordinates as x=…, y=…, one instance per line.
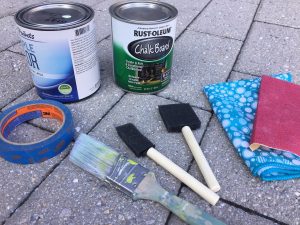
x=150, y=189
x=182, y=175
x=203, y=165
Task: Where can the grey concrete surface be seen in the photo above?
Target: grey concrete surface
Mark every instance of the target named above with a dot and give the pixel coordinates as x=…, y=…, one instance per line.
x=226, y=18
x=15, y=77
x=206, y=51
x=18, y=181
x=222, y=211
x=279, y=200
x=270, y=49
x=199, y=63
x=84, y=197
x=9, y=32
x=282, y=12
x=10, y=7
x=238, y=76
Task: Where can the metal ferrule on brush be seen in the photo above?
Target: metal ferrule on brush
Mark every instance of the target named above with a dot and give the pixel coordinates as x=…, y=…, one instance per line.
x=127, y=174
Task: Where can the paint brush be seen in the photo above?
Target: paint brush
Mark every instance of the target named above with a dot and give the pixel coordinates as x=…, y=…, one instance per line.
x=141, y=146
x=181, y=117
x=132, y=178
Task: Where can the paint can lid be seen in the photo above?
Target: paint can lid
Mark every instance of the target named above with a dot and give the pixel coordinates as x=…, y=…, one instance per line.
x=54, y=16
x=143, y=12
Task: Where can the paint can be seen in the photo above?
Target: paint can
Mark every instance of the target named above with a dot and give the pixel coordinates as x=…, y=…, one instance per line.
x=143, y=42
x=59, y=40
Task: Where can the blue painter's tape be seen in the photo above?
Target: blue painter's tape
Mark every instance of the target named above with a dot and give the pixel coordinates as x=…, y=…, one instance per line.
x=36, y=152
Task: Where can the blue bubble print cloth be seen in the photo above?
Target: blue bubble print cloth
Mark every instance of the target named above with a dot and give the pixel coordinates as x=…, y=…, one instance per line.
x=235, y=104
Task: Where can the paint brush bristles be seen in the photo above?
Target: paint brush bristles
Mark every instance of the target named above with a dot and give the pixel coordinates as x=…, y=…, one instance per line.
x=93, y=156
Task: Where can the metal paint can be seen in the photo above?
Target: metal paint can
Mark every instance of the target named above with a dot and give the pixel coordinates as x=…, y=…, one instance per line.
x=59, y=40
x=143, y=43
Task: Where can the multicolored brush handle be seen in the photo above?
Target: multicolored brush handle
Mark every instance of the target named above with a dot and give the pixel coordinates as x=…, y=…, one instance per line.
x=150, y=189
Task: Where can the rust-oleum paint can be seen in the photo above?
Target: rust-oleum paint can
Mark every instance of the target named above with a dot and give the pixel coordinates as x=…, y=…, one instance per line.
x=59, y=40
x=143, y=42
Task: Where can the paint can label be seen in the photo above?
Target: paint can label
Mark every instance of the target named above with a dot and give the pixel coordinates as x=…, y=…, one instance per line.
x=143, y=55
x=63, y=63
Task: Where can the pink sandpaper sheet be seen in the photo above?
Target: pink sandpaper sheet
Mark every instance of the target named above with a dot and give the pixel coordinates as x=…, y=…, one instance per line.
x=277, y=121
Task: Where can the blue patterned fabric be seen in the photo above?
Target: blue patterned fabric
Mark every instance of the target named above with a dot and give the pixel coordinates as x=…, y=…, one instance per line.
x=235, y=104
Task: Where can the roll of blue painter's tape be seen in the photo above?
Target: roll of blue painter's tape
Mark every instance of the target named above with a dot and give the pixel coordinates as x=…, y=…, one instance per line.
x=35, y=152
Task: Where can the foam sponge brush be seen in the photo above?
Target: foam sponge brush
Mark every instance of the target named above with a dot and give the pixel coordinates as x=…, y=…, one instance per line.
x=176, y=116
x=181, y=117
x=141, y=146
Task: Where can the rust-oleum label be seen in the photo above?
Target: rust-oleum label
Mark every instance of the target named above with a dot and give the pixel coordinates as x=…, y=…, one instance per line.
x=143, y=55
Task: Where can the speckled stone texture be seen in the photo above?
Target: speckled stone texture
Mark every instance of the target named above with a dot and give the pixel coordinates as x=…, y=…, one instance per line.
x=280, y=12
x=18, y=181
x=15, y=78
x=106, y=205
x=279, y=200
x=216, y=41
x=226, y=18
x=9, y=32
x=199, y=63
x=270, y=49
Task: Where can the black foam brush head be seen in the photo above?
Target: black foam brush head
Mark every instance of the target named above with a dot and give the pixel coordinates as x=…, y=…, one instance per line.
x=133, y=138
x=176, y=116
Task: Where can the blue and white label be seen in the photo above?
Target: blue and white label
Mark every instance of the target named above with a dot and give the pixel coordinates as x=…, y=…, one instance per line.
x=64, y=63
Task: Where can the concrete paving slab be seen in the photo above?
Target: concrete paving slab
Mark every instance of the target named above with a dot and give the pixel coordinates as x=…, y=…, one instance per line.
x=94, y=107
x=187, y=11
x=87, y=2
x=222, y=211
x=199, y=60
x=240, y=76
x=70, y=196
x=9, y=32
x=279, y=200
x=15, y=78
x=280, y=12
x=102, y=20
x=11, y=7
x=17, y=48
x=250, y=1
x=270, y=49
x=226, y=18
x=17, y=181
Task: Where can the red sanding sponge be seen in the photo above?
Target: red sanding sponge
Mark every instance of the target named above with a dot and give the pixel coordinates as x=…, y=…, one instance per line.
x=277, y=121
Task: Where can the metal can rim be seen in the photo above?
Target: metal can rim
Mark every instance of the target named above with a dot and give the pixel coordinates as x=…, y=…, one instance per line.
x=114, y=7
x=32, y=26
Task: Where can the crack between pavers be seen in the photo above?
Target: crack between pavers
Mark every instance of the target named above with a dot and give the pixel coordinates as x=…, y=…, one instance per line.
x=14, y=99
x=7, y=48
x=247, y=210
x=216, y=35
x=243, y=42
x=276, y=24
x=15, y=52
x=178, y=101
x=207, y=4
x=246, y=73
x=58, y=164
x=235, y=205
x=251, y=211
